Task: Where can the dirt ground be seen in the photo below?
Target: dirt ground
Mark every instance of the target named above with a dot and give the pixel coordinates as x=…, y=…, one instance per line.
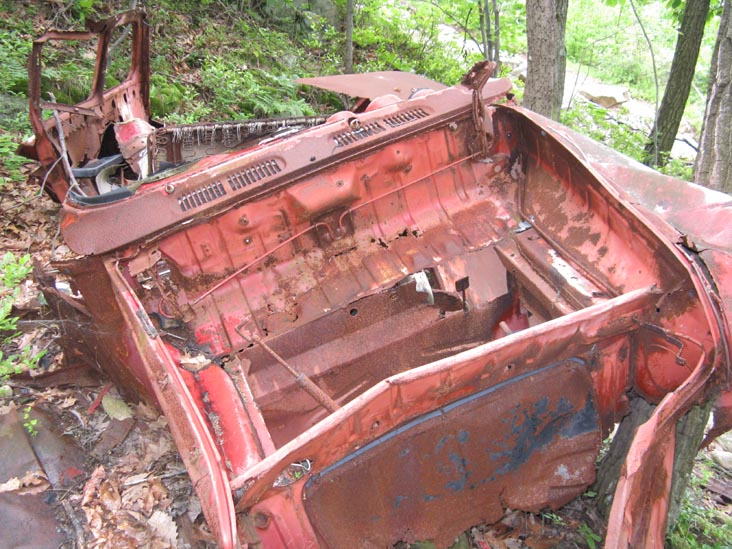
x=83, y=466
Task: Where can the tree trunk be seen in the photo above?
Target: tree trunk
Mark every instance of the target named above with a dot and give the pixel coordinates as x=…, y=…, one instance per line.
x=545, y=24
x=348, y=58
x=488, y=52
x=496, y=36
x=713, y=166
x=689, y=435
x=609, y=467
x=679, y=82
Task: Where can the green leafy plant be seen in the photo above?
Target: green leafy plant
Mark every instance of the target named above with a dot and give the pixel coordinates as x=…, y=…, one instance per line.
x=30, y=424
x=13, y=271
x=10, y=161
x=700, y=525
x=590, y=537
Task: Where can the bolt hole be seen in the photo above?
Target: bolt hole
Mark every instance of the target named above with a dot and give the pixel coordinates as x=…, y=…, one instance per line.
x=353, y=312
x=509, y=367
x=375, y=425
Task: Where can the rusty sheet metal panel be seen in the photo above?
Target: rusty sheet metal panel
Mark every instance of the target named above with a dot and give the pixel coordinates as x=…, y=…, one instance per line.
x=84, y=124
x=527, y=444
x=374, y=84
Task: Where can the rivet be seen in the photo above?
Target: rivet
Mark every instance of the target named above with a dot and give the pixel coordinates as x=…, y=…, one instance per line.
x=248, y=240
x=169, y=188
x=243, y=220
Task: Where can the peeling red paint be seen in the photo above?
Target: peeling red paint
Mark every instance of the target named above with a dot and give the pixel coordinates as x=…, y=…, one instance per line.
x=446, y=299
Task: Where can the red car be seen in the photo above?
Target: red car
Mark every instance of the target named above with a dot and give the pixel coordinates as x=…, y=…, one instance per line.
x=394, y=323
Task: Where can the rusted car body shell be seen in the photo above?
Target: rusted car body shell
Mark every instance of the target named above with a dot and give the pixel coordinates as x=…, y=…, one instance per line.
x=398, y=323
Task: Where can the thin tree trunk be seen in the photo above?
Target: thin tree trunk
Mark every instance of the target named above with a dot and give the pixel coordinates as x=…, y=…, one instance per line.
x=546, y=21
x=713, y=166
x=348, y=61
x=496, y=36
x=689, y=435
x=483, y=36
x=489, y=35
x=679, y=83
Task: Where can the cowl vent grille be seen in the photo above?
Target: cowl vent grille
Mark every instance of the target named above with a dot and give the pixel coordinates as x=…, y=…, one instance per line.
x=252, y=174
x=405, y=117
x=347, y=138
x=201, y=196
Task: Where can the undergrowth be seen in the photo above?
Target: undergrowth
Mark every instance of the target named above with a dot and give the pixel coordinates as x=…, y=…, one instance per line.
x=700, y=525
x=13, y=272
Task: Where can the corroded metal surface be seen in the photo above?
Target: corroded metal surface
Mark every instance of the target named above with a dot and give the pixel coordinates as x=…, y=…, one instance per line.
x=444, y=299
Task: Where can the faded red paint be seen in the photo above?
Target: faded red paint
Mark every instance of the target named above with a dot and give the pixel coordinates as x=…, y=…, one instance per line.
x=440, y=303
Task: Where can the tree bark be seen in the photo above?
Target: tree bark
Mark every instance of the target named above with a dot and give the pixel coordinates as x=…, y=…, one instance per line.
x=546, y=21
x=348, y=57
x=679, y=82
x=496, y=36
x=713, y=166
x=689, y=435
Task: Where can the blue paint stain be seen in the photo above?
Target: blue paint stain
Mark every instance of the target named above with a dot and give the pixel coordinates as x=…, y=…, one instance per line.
x=463, y=436
x=398, y=501
x=441, y=443
x=462, y=470
x=534, y=428
x=404, y=452
x=530, y=435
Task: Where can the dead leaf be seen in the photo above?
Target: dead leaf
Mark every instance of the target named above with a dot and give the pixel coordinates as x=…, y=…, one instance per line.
x=116, y=408
x=90, y=488
x=164, y=527
x=68, y=402
x=33, y=482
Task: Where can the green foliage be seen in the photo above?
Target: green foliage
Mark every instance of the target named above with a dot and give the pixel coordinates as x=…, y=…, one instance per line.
x=392, y=36
x=700, y=525
x=13, y=271
x=10, y=161
x=14, y=51
x=591, y=538
x=242, y=92
x=677, y=167
x=597, y=123
x=30, y=424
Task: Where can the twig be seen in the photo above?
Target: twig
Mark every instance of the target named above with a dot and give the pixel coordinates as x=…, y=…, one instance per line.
x=655, y=79
x=97, y=401
x=155, y=477
x=64, y=153
x=466, y=32
x=76, y=523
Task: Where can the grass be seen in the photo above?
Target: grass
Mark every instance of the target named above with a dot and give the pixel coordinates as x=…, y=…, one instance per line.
x=700, y=524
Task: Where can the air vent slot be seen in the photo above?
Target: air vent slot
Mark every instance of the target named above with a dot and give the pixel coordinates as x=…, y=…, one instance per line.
x=252, y=174
x=405, y=117
x=347, y=138
x=201, y=196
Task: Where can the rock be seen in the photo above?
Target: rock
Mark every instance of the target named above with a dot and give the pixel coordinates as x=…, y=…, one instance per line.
x=605, y=95
x=722, y=458
x=725, y=442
